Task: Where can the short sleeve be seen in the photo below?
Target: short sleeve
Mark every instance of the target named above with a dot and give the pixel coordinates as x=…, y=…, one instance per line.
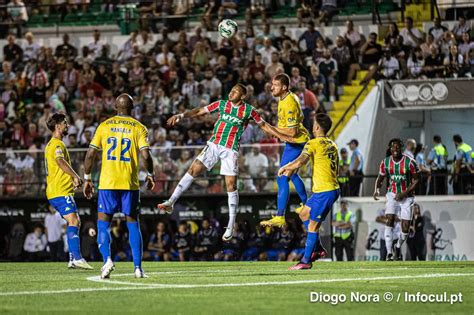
x=292, y=113
x=382, y=169
x=413, y=167
x=212, y=108
x=308, y=149
x=256, y=116
x=143, y=139
x=96, y=142
x=59, y=152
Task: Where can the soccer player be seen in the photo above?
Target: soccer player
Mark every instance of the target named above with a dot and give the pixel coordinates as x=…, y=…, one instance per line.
x=61, y=181
x=290, y=123
x=120, y=138
x=323, y=153
x=234, y=115
x=403, y=179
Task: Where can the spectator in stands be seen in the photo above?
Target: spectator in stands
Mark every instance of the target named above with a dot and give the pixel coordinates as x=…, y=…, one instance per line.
x=232, y=250
x=35, y=244
x=353, y=37
x=342, y=54
x=275, y=66
x=411, y=35
x=316, y=82
x=96, y=46
x=281, y=38
x=427, y=44
x=12, y=52
x=327, y=11
x=66, y=50
x=466, y=45
x=416, y=64
x=206, y=241
x=307, y=9
x=30, y=48
x=355, y=168
x=258, y=7
x=183, y=242
x=434, y=67
x=453, y=62
x=266, y=51
x=19, y=16
x=281, y=243
x=257, y=165
x=328, y=68
x=159, y=244
x=388, y=67
x=309, y=103
x=437, y=30
x=392, y=34
x=54, y=230
x=256, y=244
x=371, y=53
x=227, y=9
x=309, y=37
x=460, y=28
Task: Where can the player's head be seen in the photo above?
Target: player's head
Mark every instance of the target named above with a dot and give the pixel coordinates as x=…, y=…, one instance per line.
x=322, y=124
x=396, y=147
x=280, y=85
x=58, y=122
x=124, y=104
x=238, y=93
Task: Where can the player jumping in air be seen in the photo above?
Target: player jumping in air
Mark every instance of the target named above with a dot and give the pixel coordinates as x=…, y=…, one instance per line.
x=234, y=115
x=290, y=123
x=120, y=138
x=323, y=154
x=61, y=181
x=403, y=179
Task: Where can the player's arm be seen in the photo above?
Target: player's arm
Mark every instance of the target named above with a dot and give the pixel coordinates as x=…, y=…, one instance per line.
x=88, y=162
x=201, y=111
x=414, y=183
x=150, y=177
x=379, y=181
x=67, y=168
x=293, y=167
x=381, y=219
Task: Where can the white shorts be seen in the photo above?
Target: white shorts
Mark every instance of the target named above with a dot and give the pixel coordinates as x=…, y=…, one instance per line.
x=403, y=207
x=212, y=153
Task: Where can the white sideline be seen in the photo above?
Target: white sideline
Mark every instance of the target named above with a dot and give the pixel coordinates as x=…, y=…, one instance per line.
x=218, y=285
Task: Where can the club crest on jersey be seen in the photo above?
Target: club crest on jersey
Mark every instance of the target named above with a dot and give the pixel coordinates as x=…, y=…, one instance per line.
x=231, y=119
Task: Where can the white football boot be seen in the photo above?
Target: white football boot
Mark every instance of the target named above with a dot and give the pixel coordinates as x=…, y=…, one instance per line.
x=107, y=269
x=81, y=264
x=167, y=206
x=139, y=273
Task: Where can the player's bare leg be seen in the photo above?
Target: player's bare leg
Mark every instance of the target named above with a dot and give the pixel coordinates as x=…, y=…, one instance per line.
x=103, y=240
x=233, y=201
x=194, y=170
x=405, y=229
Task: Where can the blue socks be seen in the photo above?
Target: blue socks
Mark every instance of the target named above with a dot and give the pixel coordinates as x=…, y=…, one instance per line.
x=135, y=239
x=299, y=187
x=306, y=224
x=74, y=242
x=284, y=192
x=318, y=246
x=103, y=239
x=311, y=241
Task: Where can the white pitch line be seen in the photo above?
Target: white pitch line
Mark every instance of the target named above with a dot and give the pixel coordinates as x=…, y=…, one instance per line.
x=219, y=285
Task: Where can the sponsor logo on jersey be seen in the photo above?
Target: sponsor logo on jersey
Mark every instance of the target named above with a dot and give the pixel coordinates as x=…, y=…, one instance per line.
x=231, y=119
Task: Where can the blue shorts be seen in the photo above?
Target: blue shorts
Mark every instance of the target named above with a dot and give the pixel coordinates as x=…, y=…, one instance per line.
x=291, y=152
x=321, y=204
x=124, y=201
x=64, y=205
x=273, y=254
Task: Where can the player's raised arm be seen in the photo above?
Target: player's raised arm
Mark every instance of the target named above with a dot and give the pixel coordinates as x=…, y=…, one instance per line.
x=211, y=108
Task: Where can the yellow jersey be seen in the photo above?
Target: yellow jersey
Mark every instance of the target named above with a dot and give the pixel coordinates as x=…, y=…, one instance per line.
x=290, y=115
x=120, y=138
x=324, y=161
x=58, y=183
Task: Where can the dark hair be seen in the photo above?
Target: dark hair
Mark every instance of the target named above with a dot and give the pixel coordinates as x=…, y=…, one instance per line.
x=324, y=121
x=54, y=120
x=457, y=138
x=418, y=149
x=437, y=139
x=391, y=142
x=409, y=18
x=283, y=78
x=242, y=88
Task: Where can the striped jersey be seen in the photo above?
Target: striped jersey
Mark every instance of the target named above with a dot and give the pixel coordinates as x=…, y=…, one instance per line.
x=399, y=173
x=231, y=122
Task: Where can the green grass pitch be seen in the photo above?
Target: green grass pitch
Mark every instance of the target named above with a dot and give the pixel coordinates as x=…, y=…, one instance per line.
x=233, y=288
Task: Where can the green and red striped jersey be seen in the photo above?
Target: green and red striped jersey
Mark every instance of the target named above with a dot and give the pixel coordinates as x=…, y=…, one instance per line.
x=231, y=122
x=399, y=174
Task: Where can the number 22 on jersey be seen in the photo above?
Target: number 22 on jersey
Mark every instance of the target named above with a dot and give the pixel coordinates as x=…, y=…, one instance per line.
x=125, y=145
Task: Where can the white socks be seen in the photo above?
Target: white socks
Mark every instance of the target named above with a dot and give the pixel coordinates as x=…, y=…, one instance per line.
x=183, y=185
x=402, y=239
x=233, y=199
x=388, y=238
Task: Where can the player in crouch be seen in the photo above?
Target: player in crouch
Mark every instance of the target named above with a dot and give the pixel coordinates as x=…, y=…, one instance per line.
x=121, y=139
x=403, y=179
x=323, y=153
x=290, y=123
x=61, y=181
x=234, y=115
